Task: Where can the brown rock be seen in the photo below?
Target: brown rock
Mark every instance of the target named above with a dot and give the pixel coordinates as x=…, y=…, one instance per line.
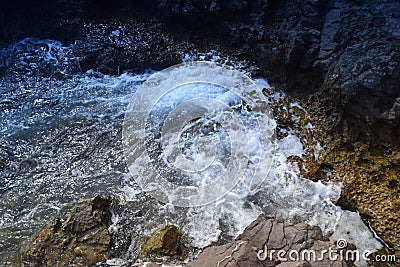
x=165, y=241
x=80, y=239
x=236, y=254
x=316, y=233
x=257, y=232
x=276, y=238
x=150, y=264
x=288, y=237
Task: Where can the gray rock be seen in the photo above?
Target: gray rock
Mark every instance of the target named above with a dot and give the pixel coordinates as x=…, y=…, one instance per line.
x=256, y=232
x=236, y=254
x=276, y=238
x=301, y=238
x=360, y=54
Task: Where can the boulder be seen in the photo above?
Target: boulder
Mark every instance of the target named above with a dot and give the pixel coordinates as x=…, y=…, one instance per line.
x=261, y=242
x=236, y=254
x=81, y=238
x=165, y=241
x=268, y=235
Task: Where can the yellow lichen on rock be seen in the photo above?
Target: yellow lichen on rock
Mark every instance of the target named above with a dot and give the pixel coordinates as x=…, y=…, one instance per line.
x=165, y=241
x=81, y=238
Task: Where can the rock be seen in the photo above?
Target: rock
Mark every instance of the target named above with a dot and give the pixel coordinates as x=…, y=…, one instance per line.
x=236, y=254
x=341, y=57
x=269, y=235
x=256, y=232
x=276, y=238
x=360, y=54
x=165, y=241
x=81, y=238
x=138, y=45
x=151, y=264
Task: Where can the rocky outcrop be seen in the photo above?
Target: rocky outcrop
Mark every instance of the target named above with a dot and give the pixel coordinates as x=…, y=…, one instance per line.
x=235, y=254
x=79, y=239
x=340, y=58
x=261, y=241
x=359, y=49
x=116, y=47
x=165, y=241
x=348, y=50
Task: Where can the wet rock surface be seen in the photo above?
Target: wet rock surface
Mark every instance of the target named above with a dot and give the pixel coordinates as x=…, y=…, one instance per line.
x=260, y=242
x=81, y=238
x=349, y=50
x=340, y=58
x=238, y=253
x=165, y=241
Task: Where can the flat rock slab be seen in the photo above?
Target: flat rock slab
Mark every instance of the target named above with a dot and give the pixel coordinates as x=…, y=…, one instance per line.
x=236, y=254
x=261, y=241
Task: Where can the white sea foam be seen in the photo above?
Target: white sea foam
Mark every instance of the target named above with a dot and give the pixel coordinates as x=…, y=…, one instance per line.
x=94, y=96
x=285, y=193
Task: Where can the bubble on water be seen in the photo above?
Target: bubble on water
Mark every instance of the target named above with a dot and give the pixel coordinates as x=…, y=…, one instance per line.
x=72, y=128
x=218, y=97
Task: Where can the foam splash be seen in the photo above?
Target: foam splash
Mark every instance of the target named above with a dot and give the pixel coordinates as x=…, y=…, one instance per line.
x=32, y=56
x=284, y=194
x=61, y=139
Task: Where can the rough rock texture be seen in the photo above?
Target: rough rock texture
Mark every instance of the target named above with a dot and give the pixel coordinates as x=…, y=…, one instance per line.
x=115, y=47
x=361, y=53
x=239, y=253
x=153, y=264
x=148, y=264
x=339, y=58
x=349, y=49
x=370, y=176
x=79, y=239
x=165, y=241
x=272, y=233
x=260, y=242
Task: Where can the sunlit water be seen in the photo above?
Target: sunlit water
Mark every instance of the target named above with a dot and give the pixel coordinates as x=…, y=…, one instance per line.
x=61, y=142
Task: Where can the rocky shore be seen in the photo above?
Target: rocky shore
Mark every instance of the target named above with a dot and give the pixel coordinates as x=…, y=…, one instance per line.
x=339, y=59
x=82, y=238
x=79, y=239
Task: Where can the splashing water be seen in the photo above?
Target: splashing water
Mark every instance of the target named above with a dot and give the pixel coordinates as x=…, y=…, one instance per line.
x=61, y=142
